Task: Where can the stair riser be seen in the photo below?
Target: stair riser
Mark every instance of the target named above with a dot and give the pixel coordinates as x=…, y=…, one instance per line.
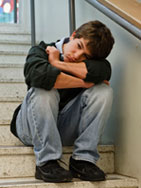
x=14, y=53
x=20, y=165
x=12, y=59
x=14, y=47
x=12, y=92
x=12, y=73
x=7, y=138
x=6, y=111
x=19, y=38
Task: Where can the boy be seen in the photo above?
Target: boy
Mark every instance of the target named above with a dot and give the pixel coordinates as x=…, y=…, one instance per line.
x=67, y=103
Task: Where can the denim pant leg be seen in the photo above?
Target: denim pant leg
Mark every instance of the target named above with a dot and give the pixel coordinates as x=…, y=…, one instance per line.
x=82, y=121
x=37, y=124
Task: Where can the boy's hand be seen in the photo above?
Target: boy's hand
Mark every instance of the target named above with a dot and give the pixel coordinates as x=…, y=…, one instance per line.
x=88, y=84
x=53, y=54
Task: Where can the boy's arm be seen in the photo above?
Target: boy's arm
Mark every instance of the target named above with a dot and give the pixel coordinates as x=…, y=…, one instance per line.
x=40, y=73
x=98, y=71
x=66, y=81
x=80, y=71
x=95, y=71
x=77, y=69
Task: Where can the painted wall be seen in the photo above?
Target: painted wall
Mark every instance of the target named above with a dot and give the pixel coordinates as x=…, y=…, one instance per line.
x=125, y=121
x=51, y=19
x=124, y=126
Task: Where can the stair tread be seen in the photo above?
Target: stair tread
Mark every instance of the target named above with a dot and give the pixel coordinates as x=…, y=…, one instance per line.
x=12, y=61
x=15, y=41
x=13, y=52
x=112, y=181
x=7, y=80
x=23, y=158
x=14, y=32
x=12, y=65
x=7, y=150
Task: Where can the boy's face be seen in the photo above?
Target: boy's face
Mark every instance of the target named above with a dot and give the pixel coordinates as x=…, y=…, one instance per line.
x=76, y=50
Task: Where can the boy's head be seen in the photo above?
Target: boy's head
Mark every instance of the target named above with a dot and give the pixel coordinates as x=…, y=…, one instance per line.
x=92, y=40
x=99, y=37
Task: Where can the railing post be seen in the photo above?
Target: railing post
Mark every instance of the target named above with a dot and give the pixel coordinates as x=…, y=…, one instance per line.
x=15, y=11
x=71, y=15
x=33, y=39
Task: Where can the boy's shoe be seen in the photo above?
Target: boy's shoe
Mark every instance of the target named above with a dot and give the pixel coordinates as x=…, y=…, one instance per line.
x=85, y=170
x=52, y=172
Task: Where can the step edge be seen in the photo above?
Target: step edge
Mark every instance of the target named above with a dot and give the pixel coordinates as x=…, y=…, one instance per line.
x=18, y=42
x=13, y=52
x=12, y=65
x=12, y=81
x=109, y=183
x=10, y=150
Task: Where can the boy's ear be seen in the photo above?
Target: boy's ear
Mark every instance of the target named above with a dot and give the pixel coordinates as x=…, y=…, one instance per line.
x=72, y=35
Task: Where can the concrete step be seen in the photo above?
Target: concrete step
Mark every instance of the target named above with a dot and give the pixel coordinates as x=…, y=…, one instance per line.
x=13, y=52
x=19, y=161
x=7, y=138
x=15, y=37
x=12, y=92
x=13, y=28
x=11, y=73
x=112, y=181
x=20, y=47
x=6, y=111
x=11, y=95
x=12, y=59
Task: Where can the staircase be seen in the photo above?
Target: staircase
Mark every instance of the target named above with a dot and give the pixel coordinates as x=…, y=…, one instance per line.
x=17, y=162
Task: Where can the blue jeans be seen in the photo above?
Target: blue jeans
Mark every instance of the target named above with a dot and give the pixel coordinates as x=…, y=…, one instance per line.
x=80, y=123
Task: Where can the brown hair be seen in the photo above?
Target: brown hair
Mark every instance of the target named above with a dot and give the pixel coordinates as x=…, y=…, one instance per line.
x=100, y=39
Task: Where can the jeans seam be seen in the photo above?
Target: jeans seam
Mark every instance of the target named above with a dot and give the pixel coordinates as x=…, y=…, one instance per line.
x=35, y=123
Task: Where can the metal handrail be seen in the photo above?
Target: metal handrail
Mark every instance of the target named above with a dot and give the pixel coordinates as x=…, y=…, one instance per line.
x=116, y=18
x=33, y=35
x=15, y=11
x=71, y=16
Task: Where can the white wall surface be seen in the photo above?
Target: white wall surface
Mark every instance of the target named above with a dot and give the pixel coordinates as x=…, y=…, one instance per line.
x=125, y=120
x=51, y=19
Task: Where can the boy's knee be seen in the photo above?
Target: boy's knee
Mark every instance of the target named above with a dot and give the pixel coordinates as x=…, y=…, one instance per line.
x=43, y=98
x=100, y=94
x=105, y=97
x=105, y=92
x=45, y=94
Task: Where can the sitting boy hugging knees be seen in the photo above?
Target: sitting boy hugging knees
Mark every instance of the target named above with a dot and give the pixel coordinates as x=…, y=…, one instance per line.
x=67, y=103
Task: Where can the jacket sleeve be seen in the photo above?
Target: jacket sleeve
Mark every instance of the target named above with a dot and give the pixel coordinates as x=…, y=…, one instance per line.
x=98, y=71
x=38, y=71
